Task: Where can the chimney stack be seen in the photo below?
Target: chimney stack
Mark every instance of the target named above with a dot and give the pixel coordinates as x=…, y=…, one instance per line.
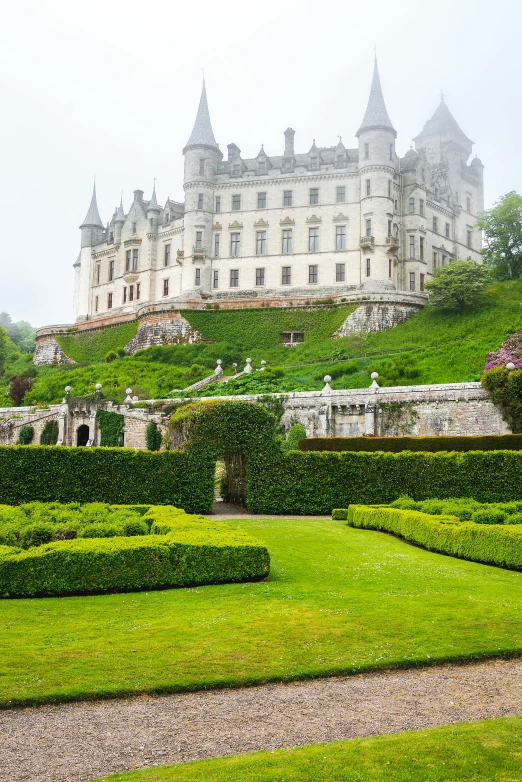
x=289, y=142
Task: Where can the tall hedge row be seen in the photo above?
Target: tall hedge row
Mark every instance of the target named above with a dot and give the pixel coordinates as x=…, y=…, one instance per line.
x=492, y=545
x=112, y=475
x=512, y=442
x=315, y=483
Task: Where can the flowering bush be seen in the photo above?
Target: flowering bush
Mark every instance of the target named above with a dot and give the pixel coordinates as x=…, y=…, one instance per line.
x=510, y=351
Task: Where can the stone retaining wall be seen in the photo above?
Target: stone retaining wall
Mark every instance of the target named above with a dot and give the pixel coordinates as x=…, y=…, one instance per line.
x=48, y=351
x=163, y=328
x=376, y=316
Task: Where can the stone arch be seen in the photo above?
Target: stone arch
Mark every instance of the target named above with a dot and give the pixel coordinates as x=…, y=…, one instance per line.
x=82, y=435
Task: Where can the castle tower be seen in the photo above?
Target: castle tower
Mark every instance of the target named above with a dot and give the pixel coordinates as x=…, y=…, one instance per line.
x=153, y=211
x=118, y=222
x=202, y=155
x=92, y=234
x=377, y=169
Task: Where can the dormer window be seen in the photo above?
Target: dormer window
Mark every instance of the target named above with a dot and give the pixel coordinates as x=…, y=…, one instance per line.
x=313, y=162
x=262, y=166
x=340, y=160
x=236, y=169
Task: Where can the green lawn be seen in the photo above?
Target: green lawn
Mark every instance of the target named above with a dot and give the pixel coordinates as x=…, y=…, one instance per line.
x=489, y=751
x=338, y=600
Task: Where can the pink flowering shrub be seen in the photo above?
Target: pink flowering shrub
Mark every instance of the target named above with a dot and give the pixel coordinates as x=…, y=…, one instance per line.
x=511, y=350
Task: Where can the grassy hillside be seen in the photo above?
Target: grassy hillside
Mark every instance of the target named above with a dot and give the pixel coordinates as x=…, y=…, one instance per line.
x=94, y=346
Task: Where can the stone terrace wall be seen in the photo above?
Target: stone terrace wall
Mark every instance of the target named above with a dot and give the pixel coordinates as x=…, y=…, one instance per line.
x=376, y=316
x=48, y=351
x=163, y=328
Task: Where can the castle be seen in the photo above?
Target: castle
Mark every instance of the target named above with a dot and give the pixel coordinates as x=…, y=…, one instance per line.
x=327, y=223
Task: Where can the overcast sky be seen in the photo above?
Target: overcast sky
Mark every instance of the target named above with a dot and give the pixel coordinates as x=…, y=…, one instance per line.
x=110, y=89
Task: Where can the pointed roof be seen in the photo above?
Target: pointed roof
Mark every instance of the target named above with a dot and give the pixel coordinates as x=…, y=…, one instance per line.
x=120, y=214
x=153, y=203
x=92, y=218
x=202, y=134
x=441, y=121
x=376, y=116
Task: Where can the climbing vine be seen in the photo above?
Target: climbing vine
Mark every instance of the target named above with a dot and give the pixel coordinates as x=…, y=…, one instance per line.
x=49, y=434
x=397, y=418
x=153, y=437
x=111, y=427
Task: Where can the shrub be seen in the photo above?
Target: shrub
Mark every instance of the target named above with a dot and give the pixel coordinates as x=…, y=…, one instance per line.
x=492, y=545
x=37, y=534
x=18, y=388
x=515, y=518
x=488, y=516
x=110, y=356
x=396, y=444
x=505, y=389
x=49, y=434
x=25, y=435
x=153, y=437
x=457, y=286
x=296, y=433
x=102, y=530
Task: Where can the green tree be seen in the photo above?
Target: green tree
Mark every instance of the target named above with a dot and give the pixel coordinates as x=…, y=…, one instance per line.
x=460, y=285
x=502, y=228
x=4, y=348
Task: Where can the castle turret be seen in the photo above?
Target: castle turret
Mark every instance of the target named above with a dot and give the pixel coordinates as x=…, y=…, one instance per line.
x=377, y=168
x=92, y=226
x=202, y=155
x=153, y=212
x=118, y=222
x=92, y=234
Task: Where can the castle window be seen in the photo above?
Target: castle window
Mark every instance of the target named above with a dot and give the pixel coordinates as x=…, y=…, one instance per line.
x=235, y=245
x=368, y=187
x=340, y=161
x=197, y=276
x=435, y=225
x=340, y=237
x=313, y=274
x=135, y=260
x=261, y=200
x=391, y=151
x=217, y=238
x=412, y=247
x=389, y=268
x=131, y=292
x=421, y=285
x=389, y=188
x=443, y=260
x=201, y=166
x=421, y=207
x=313, y=162
x=261, y=243
x=368, y=267
x=447, y=230
x=236, y=203
x=262, y=167
x=435, y=259
x=287, y=241
x=234, y=278
x=199, y=240
x=200, y=200
x=218, y=203
x=366, y=150
x=339, y=272
x=286, y=275
x=469, y=235
x=313, y=240
x=215, y=280
x=412, y=281
x=96, y=304
x=260, y=277
x=151, y=222
x=287, y=198
x=411, y=205
x=341, y=195
x=166, y=258
x=314, y=195
x=134, y=228
x=395, y=205
x=109, y=301
x=236, y=170
x=368, y=227
x=138, y=288
x=468, y=204
x=421, y=248
x=128, y=260
x=111, y=271
x=166, y=287
x=97, y=274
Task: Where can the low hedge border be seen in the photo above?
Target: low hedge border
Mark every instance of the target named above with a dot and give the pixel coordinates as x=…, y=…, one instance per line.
x=184, y=550
x=490, y=545
x=509, y=442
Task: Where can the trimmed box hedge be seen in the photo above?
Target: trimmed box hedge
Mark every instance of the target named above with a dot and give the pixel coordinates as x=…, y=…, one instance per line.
x=501, y=442
x=113, y=475
x=491, y=545
x=182, y=550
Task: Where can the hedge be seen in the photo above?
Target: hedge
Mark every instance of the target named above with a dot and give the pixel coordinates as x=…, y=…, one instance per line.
x=193, y=551
x=511, y=442
x=112, y=475
x=314, y=483
x=491, y=545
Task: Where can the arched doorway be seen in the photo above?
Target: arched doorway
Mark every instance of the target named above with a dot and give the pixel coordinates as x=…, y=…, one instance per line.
x=82, y=435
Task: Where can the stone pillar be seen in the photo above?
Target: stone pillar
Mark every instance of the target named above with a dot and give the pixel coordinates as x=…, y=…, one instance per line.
x=369, y=418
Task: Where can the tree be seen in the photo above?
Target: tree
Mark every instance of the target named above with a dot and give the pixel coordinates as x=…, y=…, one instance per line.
x=460, y=285
x=4, y=348
x=502, y=227
x=17, y=389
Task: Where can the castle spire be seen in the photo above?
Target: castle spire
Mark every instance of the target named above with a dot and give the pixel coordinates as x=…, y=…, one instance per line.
x=120, y=214
x=376, y=116
x=92, y=217
x=202, y=135
x=153, y=203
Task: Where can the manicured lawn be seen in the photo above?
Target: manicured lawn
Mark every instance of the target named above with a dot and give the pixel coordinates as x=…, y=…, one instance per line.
x=489, y=751
x=338, y=600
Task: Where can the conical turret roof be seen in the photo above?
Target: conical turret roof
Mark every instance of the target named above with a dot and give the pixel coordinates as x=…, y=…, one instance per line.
x=92, y=218
x=153, y=203
x=120, y=214
x=442, y=120
x=376, y=116
x=202, y=134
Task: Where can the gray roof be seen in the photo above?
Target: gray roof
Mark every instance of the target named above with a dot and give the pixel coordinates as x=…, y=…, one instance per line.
x=153, y=203
x=442, y=120
x=93, y=216
x=376, y=117
x=328, y=156
x=120, y=214
x=202, y=134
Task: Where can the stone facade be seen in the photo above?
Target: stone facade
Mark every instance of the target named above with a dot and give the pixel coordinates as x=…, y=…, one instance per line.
x=48, y=351
x=284, y=227
x=376, y=317
x=162, y=328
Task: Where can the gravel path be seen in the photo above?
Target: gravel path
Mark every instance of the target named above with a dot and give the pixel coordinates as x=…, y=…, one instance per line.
x=78, y=741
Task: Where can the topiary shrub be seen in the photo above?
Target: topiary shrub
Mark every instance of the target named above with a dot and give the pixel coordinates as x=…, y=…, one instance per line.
x=514, y=518
x=295, y=433
x=153, y=437
x=488, y=516
x=111, y=356
x=49, y=434
x=25, y=435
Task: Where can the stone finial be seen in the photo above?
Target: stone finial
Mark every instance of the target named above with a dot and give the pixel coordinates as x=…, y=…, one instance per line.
x=68, y=389
x=219, y=369
x=235, y=367
x=98, y=387
x=327, y=386
x=374, y=377
x=263, y=364
x=248, y=367
x=128, y=398
x=67, y=392
x=510, y=366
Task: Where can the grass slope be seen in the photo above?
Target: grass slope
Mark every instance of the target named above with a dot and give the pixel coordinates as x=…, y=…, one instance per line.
x=337, y=600
x=94, y=346
x=486, y=751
